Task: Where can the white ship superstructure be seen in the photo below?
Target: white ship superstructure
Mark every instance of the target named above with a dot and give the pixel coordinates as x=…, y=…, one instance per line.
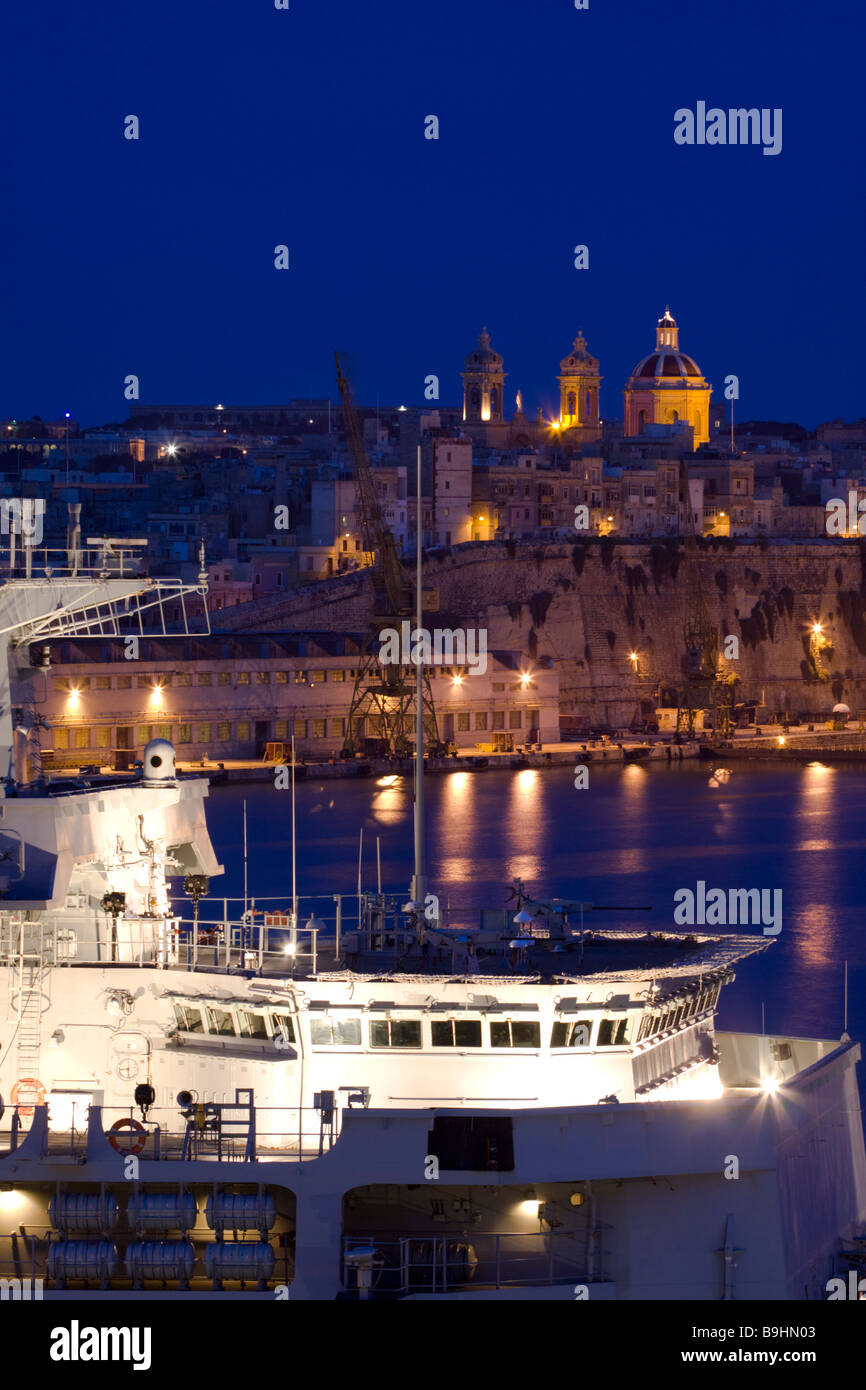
x=225, y=1103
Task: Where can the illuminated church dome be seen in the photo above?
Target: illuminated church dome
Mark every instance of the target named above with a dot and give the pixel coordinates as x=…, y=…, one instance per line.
x=667, y=386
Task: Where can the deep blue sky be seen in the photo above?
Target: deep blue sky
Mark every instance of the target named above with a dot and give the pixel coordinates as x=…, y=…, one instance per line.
x=261, y=126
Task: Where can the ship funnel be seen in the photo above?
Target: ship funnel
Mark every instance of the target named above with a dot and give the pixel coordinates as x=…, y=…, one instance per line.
x=158, y=770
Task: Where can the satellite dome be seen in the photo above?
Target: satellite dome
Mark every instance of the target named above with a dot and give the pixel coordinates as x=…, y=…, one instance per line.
x=158, y=763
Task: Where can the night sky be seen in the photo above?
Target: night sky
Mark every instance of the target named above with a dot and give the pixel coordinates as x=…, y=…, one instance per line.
x=306, y=127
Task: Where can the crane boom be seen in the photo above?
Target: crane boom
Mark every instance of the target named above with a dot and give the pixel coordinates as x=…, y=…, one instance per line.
x=389, y=579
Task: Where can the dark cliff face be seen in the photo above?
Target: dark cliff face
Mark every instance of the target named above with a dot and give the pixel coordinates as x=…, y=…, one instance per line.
x=591, y=603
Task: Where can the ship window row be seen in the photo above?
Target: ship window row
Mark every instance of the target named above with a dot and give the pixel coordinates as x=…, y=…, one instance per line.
x=672, y=1018
x=326, y=1031
x=233, y=1023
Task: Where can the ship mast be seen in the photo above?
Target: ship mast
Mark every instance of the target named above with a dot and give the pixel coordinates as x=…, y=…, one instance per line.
x=418, y=889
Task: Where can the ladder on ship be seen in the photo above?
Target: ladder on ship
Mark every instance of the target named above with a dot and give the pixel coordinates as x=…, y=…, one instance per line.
x=28, y=976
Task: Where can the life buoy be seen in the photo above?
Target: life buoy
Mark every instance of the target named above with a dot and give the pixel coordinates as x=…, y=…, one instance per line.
x=127, y=1123
x=31, y=1084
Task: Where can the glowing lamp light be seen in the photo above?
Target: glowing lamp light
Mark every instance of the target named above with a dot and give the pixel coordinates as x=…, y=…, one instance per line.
x=156, y=697
x=781, y=740
x=73, y=699
x=289, y=949
x=769, y=1085
x=525, y=678
x=10, y=1199
x=457, y=680
x=817, y=629
x=220, y=407
x=171, y=450
x=632, y=656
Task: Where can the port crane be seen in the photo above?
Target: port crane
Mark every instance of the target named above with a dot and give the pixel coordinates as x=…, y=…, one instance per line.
x=706, y=685
x=384, y=694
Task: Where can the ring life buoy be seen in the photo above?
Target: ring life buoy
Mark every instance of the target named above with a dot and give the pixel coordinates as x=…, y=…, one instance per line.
x=36, y=1089
x=127, y=1123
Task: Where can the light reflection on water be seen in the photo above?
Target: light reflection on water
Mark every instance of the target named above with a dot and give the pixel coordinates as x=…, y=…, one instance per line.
x=801, y=829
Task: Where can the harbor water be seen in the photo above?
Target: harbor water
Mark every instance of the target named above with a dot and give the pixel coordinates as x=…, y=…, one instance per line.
x=633, y=838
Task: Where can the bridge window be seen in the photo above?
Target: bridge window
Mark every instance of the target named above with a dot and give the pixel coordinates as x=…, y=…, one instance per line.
x=577, y=1034
x=284, y=1026
x=335, y=1032
x=614, y=1032
x=221, y=1022
x=515, y=1033
x=456, y=1032
x=251, y=1025
x=188, y=1018
x=395, y=1032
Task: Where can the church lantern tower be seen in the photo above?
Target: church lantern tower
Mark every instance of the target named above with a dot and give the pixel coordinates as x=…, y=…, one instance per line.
x=483, y=382
x=667, y=386
x=579, y=382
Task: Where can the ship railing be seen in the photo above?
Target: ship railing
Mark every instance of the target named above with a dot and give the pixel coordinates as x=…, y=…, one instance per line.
x=256, y=933
x=220, y=1131
x=417, y=1263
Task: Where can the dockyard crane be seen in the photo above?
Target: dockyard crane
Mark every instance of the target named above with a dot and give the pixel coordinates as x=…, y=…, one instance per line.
x=706, y=685
x=383, y=693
